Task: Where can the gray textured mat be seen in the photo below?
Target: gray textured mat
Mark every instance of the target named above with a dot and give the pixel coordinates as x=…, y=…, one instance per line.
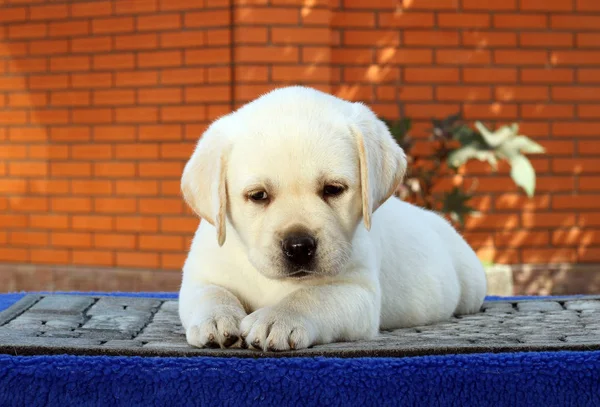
x=85, y=325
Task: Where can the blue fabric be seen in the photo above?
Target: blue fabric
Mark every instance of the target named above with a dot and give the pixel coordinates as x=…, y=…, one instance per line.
x=523, y=379
x=517, y=379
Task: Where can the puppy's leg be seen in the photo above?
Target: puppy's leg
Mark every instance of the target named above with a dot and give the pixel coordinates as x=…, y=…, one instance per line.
x=313, y=315
x=211, y=315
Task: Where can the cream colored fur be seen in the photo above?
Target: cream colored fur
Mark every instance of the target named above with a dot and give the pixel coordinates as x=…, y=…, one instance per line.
x=380, y=263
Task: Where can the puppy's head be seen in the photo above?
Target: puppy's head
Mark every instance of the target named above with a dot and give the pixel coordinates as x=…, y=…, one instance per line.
x=293, y=173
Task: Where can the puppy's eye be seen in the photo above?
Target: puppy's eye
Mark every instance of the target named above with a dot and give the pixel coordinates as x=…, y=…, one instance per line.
x=258, y=196
x=332, y=190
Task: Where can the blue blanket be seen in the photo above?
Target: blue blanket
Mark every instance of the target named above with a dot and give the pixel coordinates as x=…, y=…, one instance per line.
x=517, y=379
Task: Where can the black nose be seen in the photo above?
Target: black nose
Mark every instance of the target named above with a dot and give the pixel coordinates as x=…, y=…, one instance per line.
x=299, y=248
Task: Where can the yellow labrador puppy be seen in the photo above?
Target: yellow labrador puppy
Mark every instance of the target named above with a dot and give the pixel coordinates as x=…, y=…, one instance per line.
x=301, y=243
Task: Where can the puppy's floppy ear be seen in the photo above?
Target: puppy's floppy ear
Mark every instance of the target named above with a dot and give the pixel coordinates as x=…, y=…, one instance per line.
x=382, y=160
x=203, y=182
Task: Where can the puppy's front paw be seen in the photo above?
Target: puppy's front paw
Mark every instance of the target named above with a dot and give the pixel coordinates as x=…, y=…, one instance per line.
x=220, y=328
x=273, y=329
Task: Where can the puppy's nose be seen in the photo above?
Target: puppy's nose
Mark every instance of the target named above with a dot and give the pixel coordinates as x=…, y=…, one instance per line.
x=299, y=248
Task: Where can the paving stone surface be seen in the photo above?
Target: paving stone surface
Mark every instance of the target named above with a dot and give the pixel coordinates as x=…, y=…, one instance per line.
x=55, y=324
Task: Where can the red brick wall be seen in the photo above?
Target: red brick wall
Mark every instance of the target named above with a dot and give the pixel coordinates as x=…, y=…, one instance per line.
x=101, y=103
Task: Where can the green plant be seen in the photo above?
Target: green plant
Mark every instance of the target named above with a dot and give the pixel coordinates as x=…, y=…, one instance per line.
x=454, y=144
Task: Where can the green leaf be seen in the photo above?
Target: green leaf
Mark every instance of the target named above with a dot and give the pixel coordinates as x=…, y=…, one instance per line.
x=473, y=151
x=495, y=138
x=522, y=173
x=455, y=204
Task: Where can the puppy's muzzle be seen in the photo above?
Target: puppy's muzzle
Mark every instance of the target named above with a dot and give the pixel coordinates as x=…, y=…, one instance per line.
x=299, y=249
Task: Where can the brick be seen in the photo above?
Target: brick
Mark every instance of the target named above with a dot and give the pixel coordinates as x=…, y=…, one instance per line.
x=270, y=15
x=493, y=222
x=49, y=256
x=207, y=94
x=69, y=28
x=250, y=35
x=28, y=204
x=136, y=41
x=490, y=111
x=526, y=21
x=13, y=255
x=434, y=5
x=92, y=116
x=489, y=39
x=516, y=57
x=183, y=76
x=252, y=73
x=71, y=204
x=91, y=152
x=463, y=20
x=265, y=54
x=48, y=81
x=159, y=96
x=490, y=75
x=587, y=5
x=113, y=61
x=404, y=56
x=93, y=258
x=575, y=165
x=13, y=186
x=574, y=22
x=70, y=98
x=114, y=97
x=546, y=5
x=585, y=147
x=160, y=59
x=51, y=116
x=48, y=12
x=217, y=74
x=48, y=221
x=160, y=206
x=136, y=114
x=13, y=117
x=521, y=93
x=113, y=25
x=115, y=205
x=544, y=40
x=311, y=73
x=547, y=111
x=463, y=57
x=463, y=93
x=353, y=19
x=183, y=39
x=186, y=113
x=588, y=75
x=588, y=40
x=431, y=38
x=114, y=241
x=172, y=261
x=136, y=151
x=546, y=75
x=114, y=169
x=71, y=239
x=170, y=188
x=13, y=220
x=136, y=224
x=92, y=223
x=161, y=242
x=27, y=168
x=177, y=150
x=521, y=239
x=160, y=132
x=589, y=183
x=28, y=30
x=160, y=169
x=45, y=187
x=587, y=219
x=579, y=201
x=308, y=36
x=91, y=80
x=12, y=83
x=575, y=128
x=71, y=133
x=91, y=44
x=588, y=111
x=136, y=6
x=136, y=188
x=136, y=78
x=575, y=94
x=28, y=99
x=70, y=169
x=378, y=38
x=179, y=224
x=13, y=14
x=427, y=111
x=26, y=65
x=209, y=18
x=571, y=237
x=22, y=238
x=157, y=22
x=133, y=259
x=91, y=8
x=489, y=5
